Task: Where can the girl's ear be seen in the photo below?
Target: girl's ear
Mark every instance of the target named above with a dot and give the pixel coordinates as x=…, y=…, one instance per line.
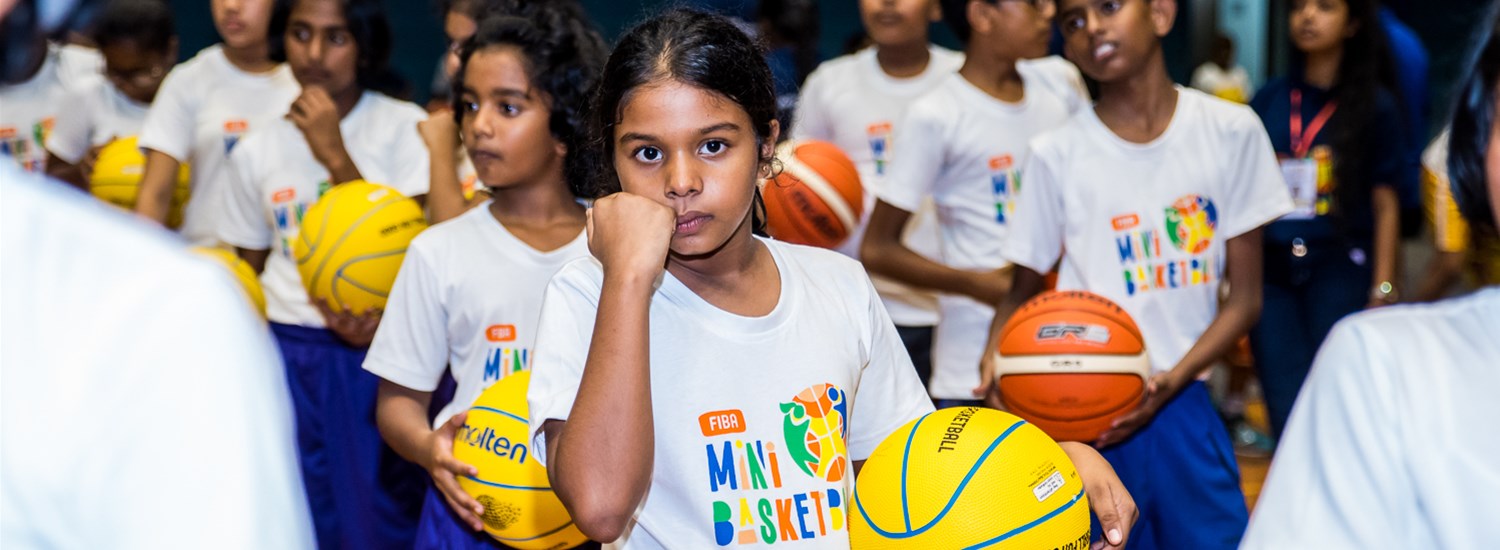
x=1163, y=15
x=768, y=146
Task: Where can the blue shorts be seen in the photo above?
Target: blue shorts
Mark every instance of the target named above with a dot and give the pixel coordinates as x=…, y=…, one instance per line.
x=1182, y=474
x=362, y=494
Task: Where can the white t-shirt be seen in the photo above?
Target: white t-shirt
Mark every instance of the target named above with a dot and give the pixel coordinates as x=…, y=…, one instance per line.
x=1233, y=84
x=28, y=111
x=79, y=64
x=852, y=103
x=735, y=400
x=1145, y=225
x=467, y=298
x=272, y=178
x=1391, y=442
x=144, y=403
x=96, y=114
x=964, y=149
x=204, y=107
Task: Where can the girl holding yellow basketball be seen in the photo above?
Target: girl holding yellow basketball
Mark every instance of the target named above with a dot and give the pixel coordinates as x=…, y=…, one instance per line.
x=692, y=366
x=470, y=289
x=339, y=129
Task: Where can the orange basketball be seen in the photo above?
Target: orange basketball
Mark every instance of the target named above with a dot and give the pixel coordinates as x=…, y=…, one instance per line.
x=1070, y=362
x=817, y=198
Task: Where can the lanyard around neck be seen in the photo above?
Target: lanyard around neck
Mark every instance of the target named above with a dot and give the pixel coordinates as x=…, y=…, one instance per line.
x=1301, y=143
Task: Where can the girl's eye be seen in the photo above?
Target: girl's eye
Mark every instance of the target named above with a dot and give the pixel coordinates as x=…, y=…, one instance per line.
x=1072, y=23
x=648, y=154
x=1109, y=7
x=712, y=147
x=469, y=107
x=301, y=35
x=510, y=109
x=338, y=38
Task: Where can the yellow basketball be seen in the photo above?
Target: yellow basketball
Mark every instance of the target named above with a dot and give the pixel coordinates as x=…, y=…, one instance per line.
x=352, y=242
x=242, y=271
x=116, y=178
x=520, y=509
x=969, y=477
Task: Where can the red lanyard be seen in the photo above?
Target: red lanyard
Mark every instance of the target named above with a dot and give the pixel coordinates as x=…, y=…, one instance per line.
x=1301, y=144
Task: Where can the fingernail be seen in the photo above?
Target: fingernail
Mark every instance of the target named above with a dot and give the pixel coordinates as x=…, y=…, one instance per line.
x=1114, y=536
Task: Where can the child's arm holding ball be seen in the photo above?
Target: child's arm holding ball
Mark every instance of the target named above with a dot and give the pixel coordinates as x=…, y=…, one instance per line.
x=401, y=415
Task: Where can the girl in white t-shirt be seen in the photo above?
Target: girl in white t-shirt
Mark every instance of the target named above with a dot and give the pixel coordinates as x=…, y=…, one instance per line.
x=338, y=130
x=204, y=107
x=691, y=346
x=138, y=44
x=470, y=289
x=1154, y=199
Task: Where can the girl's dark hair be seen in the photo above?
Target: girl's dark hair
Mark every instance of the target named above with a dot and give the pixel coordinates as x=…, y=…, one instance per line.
x=371, y=32
x=956, y=16
x=147, y=23
x=1473, y=119
x=691, y=47
x=563, y=54
x=1366, y=77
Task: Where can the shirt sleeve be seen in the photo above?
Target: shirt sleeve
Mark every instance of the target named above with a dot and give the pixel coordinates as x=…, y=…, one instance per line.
x=172, y=118
x=242, y=221
x=564, y=333
x=1256, y=192
x=811, y=119
x=411, y=344
x=889, y=393
x=920, y=139
x=1338, y=481
x=411, y=172
x=1037, y=229
x=69, y=139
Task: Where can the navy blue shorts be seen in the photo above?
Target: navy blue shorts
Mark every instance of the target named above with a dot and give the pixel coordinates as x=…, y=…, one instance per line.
x=1183, y=476
x=362, y=494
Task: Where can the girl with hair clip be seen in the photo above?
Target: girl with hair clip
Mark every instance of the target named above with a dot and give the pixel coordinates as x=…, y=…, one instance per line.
x=687, y=332
x=1337, y=130
x=1388, y=445
x=519, y=94
x=205, y=105
x=343, y=127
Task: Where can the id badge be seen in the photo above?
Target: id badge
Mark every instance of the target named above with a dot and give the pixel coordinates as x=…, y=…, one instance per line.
x=1302, y=180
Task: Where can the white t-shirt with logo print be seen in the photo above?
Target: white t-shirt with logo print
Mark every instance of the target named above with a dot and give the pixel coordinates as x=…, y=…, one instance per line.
x=29, y=110
x=757, y=419
x=204, y=107
x=852, y=103
x=97, y=114
x=467, y=298
x=964, y=149
x=1145, y=225
x=272, y=178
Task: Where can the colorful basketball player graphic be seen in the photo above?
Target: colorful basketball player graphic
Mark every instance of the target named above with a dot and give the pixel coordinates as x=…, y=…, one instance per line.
x=815, y=428
x=1191, y=222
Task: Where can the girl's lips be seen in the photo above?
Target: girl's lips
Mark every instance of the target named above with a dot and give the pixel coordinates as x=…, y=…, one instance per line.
x=691, y=222
x=1103, y=51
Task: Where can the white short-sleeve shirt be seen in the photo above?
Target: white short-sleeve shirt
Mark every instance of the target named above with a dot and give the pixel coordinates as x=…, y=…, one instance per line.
x=29, y=110
x=736, y=400
x=852, y=103
x=204, y=107
x=468, y=298
x=1145, y=224
x=96, y=114
x=1389, y=445
x=964, y=149
x=273, y=177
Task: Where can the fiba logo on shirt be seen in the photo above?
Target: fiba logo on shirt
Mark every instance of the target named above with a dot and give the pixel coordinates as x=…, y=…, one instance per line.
x=1191, y=222
x=879, y=136
x=1005, y=180
x=233, y=129
x=757, y=510
x=503, y=360
x=287, y=212
x=26, y=152
x=1147, y=263
x=815, y=430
